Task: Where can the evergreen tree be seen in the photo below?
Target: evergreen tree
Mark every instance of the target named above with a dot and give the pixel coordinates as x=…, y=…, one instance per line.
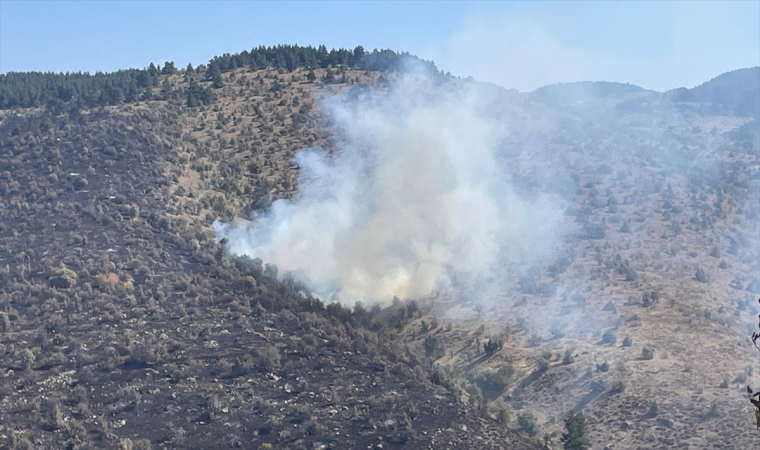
x=574, y=437
x=132, y=92
x=166, y=90
x=189, y=73
x=357, y=56
x=145, y=79
x=53, y=90
x=322, y=56
x=214, y=73
x=169, y=68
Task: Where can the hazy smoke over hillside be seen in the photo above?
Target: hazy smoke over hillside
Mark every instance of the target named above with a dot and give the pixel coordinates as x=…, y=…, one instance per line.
x=417, y=195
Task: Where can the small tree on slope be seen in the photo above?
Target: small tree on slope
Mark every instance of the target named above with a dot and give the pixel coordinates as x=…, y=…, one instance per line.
x=574, y=437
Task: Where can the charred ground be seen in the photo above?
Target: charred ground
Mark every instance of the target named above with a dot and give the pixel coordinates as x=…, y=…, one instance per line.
x=125, y=326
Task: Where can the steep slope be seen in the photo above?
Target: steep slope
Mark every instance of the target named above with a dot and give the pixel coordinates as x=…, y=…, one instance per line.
x=123, y=323
x=642, y=316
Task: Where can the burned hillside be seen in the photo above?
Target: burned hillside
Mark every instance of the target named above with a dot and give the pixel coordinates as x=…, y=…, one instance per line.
x=124, y=324
x=127, y=321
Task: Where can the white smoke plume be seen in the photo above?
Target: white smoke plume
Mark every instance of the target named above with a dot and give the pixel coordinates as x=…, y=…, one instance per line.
x=419, y=193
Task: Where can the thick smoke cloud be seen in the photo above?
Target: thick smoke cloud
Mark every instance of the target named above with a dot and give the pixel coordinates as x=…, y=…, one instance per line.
x=418, y=195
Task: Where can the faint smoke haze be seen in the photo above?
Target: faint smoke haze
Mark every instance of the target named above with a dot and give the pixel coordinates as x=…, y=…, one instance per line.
x=516, y=53
x=669, y=45
x=416, y=195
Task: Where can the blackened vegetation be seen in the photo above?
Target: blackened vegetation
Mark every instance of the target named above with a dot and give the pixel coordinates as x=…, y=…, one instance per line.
x=124, y=325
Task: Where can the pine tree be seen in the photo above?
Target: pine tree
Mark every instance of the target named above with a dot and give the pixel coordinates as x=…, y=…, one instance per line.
x=357, y=56
x=214, y=74
x=323, y=56
x=169, y=68
x=574, y=437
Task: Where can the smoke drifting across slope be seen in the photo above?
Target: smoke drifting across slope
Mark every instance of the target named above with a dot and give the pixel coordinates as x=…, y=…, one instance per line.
x=417, y=194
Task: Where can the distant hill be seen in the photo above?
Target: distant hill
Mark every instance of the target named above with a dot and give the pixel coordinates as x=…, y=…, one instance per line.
x=732, y=93
x=735, y=92
x=569, y=92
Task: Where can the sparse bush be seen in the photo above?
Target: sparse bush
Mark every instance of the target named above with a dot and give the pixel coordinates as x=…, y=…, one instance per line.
x=433, y=349
x=493, y=382
x=527, y=423
x=609, y=337
x=267, y=358
x=569, y=358
x=617, y=387
x=27, y=359
x=63, y=278
x=542, y=365
x=647, y=353
x=603, y=367
x=649, y=298
x=628, y=272
x=627, y=342
x=492, y=345
x=700, y=275
x=654, y=410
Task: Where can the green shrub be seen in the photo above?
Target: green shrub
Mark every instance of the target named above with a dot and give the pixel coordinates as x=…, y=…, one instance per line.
x=574, y=437
x=527, y=423
x=569, y=358
x=492, y=345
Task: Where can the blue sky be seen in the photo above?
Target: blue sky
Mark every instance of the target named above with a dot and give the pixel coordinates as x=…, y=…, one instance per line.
x=658, y=45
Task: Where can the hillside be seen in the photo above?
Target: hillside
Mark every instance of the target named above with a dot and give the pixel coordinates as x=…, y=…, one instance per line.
x=580, y=91
x=125, y=326
x=736, y=92
x=118, y=305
